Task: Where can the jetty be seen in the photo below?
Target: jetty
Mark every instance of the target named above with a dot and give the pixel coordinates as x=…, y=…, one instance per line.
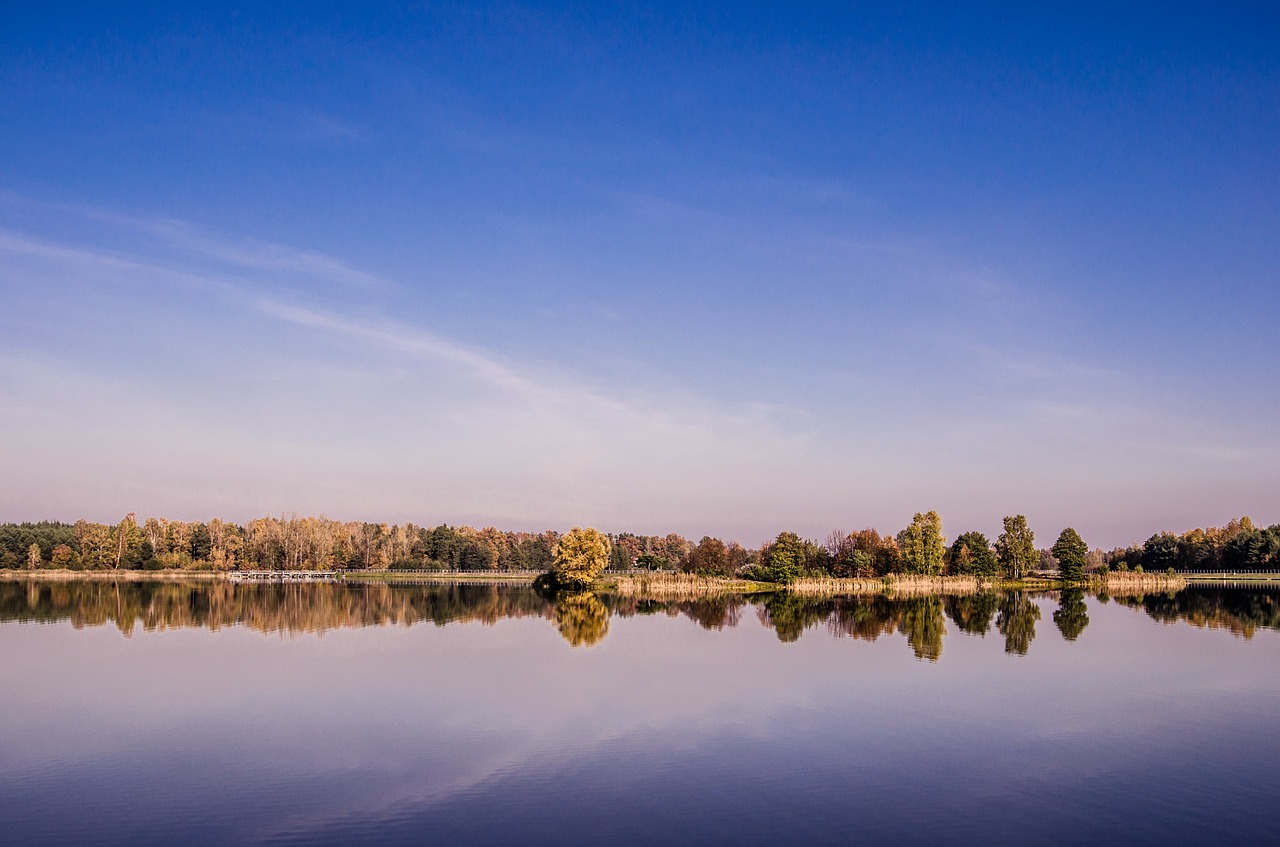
x=284, y=576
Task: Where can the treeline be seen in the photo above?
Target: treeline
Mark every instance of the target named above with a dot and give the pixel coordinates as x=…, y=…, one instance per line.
x=298, y=543
x=304, y=543
x=1238, y=546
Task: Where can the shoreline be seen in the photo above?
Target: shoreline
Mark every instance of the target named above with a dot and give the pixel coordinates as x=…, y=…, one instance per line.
x=50, y=575
x=666, y=585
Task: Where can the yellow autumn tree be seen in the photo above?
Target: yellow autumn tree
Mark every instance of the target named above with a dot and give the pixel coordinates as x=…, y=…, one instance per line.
x=580, y=556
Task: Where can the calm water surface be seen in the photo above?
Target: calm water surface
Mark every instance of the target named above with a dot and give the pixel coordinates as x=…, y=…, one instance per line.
x=327, y=714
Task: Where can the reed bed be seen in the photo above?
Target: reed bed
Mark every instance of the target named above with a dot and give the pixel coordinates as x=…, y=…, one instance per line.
x=897, y=586
x=678, y=586
x=1116, y=582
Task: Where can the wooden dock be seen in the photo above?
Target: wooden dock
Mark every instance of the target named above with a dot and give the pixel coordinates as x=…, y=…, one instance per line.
x=284, y=576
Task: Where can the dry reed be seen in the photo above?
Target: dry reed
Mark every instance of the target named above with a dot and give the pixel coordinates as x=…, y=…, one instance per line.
x=898, y=586
x=676, y=586
x=1127, y=581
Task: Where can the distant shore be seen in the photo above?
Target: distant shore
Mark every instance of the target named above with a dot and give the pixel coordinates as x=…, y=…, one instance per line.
x=53, y=575
x=178, y=575
x=660, y=585
x=667, y=586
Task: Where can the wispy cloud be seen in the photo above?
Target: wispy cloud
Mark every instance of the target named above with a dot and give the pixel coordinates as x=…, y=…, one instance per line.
x=258, y=255
x=415, y=343
x=221, y=363
x=461, y=411
x=184, y=241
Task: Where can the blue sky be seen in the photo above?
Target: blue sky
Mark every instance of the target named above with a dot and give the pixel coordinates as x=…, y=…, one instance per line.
x=713, y=269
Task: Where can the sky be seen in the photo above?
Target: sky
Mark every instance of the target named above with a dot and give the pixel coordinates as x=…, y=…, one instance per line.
x=721, y=269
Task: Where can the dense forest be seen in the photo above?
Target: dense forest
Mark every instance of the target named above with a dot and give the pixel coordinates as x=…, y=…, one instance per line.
x=304, y=543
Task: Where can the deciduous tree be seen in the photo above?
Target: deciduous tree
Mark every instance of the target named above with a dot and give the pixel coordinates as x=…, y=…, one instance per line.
x=581, y=556
x=1016, y=547
x=784, y=558
x=709, y=556
x=1071, y=552
x=64, y=557
x=922, y=544
x=971, y=554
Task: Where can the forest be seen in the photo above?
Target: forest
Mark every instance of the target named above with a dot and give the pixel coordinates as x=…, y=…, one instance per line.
x=317, y=543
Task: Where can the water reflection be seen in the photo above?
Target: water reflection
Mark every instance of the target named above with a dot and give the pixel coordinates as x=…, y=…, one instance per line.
x=1016, y=621
x=1071, y=616
x=1240, y=612
x=582, y=618
x=973, y=613
x=286, y=608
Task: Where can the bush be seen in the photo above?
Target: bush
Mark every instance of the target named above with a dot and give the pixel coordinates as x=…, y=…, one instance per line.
x=757, y=573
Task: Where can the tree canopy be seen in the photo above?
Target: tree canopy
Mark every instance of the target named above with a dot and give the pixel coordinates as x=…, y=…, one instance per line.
x=923, y=547
x=784, y=559
x=971, y=554
x=581, y=556
x=1016, y=547
x=1071, y=552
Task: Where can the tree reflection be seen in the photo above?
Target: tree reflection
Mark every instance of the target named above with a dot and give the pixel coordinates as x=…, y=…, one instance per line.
x=790, y=615
x=1071, y=616
x=271, y=607
x=581, y=618
x=1017, y=622
x=1241, y=613
x=973, y=613
x=864, y=618
x=922, y=624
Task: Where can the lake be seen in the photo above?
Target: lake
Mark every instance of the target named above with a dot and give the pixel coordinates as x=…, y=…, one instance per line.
x=220, y=713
